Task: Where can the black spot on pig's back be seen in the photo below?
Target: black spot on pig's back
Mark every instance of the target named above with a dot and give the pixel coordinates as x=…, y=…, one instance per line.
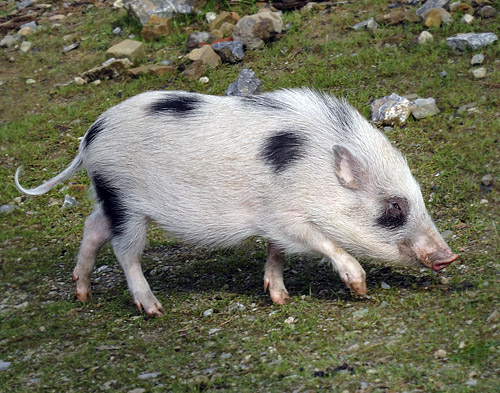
x=175, y=104
x=112, y=203
x=282, y=149
x=92, y=132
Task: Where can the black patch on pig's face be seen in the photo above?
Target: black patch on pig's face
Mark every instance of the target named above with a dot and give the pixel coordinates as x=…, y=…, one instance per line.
x=92, y=132
x=111, y=202
x=262, y=102
x=394, y=213
x=282, y=149
x=179, y=105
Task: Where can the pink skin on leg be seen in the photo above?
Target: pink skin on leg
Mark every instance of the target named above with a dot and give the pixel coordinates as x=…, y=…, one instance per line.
x=273, y=276
x=96, y=232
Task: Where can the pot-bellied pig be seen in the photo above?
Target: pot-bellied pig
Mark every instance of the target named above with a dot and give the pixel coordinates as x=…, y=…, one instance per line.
x=300, y=168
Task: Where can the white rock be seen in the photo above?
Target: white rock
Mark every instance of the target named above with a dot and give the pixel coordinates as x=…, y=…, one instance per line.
x=477, y=59
x=479, y=73
x=468, y=19
x=210, y=16
x=30, y=81
x=25, y=46
x=290, y=320
x=424, y=37
x=204, y=79
x=79, y=81
x=208, y=312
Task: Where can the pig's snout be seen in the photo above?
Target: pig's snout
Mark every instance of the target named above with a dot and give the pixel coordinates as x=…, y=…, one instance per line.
x=429, y=249
x=443, y=260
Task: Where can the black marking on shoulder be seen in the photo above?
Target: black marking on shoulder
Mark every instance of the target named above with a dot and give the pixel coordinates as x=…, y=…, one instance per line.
x=282, y=149
x=394, y=213
x=111, y=202
x=92, y=132
x=263, y=102
x=175, y=104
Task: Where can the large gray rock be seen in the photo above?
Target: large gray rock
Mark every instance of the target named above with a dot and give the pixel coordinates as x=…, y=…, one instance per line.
x=390, y=110
x=429, y=5
x=471, y=40
x=246, y=84
x=254, y=30
x=143, y=9
x=229, y=51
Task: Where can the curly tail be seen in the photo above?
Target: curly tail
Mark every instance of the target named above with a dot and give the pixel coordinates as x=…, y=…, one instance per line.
x=75, y=165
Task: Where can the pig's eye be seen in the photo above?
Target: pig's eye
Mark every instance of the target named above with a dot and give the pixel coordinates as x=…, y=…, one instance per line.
x=394, y=213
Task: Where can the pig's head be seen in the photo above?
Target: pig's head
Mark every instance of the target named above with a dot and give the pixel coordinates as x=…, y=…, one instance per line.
x=371, y=204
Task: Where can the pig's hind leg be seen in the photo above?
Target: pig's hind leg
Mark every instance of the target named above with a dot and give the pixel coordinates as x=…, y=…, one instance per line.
x=96, y=232
x=128, y=247
x=273, y=276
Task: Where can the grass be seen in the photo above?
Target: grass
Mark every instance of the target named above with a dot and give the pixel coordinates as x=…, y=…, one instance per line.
x=384, y=342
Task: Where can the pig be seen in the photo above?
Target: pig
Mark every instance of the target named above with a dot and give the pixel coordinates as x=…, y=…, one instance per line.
x=298, y=167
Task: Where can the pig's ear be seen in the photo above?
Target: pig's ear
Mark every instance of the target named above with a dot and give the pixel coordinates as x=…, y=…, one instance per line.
x=348, y=170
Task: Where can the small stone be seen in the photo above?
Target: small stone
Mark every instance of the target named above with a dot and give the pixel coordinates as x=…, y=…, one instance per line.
x=226, y=29
x=479, y=73
x=487, y=11
x=111, y=68
x=194, y=70
x=69, y=202
x=246, y=84
x=97, y=82
x=447, y=234
x=71, y=47
x=210, y=16
x=471, y=382
x=213, y=331
x=7, y=209
x=353, y=348
x=223, y=17
x=289, y=320
x=483, y=202
x=487, y=180
x=117, y=31
x=8, y=41
x=24, y=4
x=30, y=81
x=229, y=51
x=79, y=81
x=25, y=31
x=206, y=55
x=152, y=69
x=477, y=59
x=137, y=390
x=444, y=280
x=130, y=49
x=424, y=37
x=4, y=365
x=471, y=107
x=148, y=375
x=369, y=24
x=156, y=27
x=226, y=355
x=25, y=46
x=440, y=354
x=468, y=19
x=462, y=7
x=204, y=80
x=57, y=17
x=255, y=30
x=197, y=38
x=443, y=74
x=384, y=285
x=208, y=312
x=433, y=18
x=493, y=317
x=424, y=107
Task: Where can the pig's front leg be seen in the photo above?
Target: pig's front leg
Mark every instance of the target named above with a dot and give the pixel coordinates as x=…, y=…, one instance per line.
x=273, y=275
x=349, y=269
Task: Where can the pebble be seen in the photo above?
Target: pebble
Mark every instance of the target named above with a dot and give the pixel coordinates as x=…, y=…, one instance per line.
x=447, y=234
x=69, y=202
x=384, y=285
x=208, y=312
x=471, y=382
x=30, y=81
x=392, y=109
x=471, y=40
x=25, y=31
x=25, y=46
x=487, y=180
x=210, y=16
x=479, y=73
x=440, y=354
x=424, y=37
x=79, y=80
x=369, y=24
x=477, y=59
x=137, y=390
x=444, y=280
x=353, y=348
x=8, y=41
x=117, y=31
x=226, y=355
x=290, y=320
x=7, y=209
x=148, y=375
x=246, y=84
x=468, y=19
x=493, y=317
x=425, y=107
x=204, y=79
x=4, y=365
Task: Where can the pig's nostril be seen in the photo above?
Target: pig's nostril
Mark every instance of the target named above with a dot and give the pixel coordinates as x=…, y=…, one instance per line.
x=442, y=264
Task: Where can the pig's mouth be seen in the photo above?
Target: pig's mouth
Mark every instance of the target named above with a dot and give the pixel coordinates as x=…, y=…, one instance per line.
x=437, y=266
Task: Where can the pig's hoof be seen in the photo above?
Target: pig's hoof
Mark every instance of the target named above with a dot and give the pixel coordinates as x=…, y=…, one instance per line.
x=359, y=287
x=150, y=304
x=82, y=289
x=279, y=297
